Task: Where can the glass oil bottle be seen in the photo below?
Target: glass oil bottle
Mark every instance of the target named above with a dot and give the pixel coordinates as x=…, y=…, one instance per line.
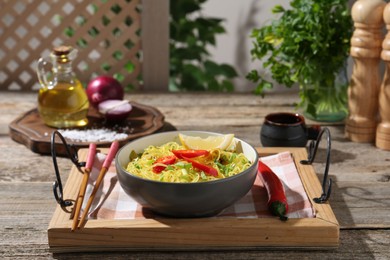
x=62, y=100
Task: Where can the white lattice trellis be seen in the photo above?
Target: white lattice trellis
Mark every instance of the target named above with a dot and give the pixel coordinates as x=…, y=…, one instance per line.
x=106, y=33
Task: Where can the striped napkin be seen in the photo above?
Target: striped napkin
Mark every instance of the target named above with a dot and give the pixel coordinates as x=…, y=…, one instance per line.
x=111, y=202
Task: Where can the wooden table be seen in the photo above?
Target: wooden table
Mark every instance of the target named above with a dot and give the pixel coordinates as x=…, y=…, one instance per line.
x=360, y=198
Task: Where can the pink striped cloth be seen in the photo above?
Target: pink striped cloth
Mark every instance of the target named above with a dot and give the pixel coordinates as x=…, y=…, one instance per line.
x=111, y=202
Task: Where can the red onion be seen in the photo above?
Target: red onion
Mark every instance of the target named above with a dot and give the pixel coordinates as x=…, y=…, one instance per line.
x=115, y=110
x=104, y=88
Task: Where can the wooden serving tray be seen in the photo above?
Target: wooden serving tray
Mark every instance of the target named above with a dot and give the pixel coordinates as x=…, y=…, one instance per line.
x=199, y=233
x=30, y=130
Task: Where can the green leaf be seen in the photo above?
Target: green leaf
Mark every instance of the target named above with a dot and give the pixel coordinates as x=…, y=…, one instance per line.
x=213, y=85
x=253, y=76
x=228, y=71
x=81, y=43
x=277, y=9
x=185, y=54
x=182, y=8
x=69, y=31
x=227, y=85
x=119, y=77
x=93, y=32
x=105, y=66
x=129, y=67
x=212, y=68
x=116, y=9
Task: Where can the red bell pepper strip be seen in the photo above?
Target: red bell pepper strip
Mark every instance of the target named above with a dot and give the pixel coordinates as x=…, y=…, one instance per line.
x=208, y=170
x=277, y=201
x=189, y=153
x=167, y=160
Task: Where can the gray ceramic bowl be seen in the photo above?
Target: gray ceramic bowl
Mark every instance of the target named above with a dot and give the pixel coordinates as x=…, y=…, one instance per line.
x=183, y=199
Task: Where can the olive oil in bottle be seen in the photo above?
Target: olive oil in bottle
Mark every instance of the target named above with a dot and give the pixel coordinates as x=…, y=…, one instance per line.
x=62, y=100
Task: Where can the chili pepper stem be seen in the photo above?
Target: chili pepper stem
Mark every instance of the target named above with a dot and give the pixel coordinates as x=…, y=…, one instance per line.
x=278, y=209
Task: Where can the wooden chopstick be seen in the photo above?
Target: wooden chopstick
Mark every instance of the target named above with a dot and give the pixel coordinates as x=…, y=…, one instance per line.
x=107, y=162
x=83, y=186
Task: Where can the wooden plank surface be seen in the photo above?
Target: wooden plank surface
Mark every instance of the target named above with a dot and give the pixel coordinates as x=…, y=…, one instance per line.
x=26, y=235
x=360, y=198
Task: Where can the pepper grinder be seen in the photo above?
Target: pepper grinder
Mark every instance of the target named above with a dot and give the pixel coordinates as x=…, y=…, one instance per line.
x=383, y=129
x=365, y=81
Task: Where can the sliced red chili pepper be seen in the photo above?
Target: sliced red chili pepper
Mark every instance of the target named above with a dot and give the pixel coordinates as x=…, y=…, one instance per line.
x=189, y=153
x=167, y=160
x=205, y=168
x=277, y=201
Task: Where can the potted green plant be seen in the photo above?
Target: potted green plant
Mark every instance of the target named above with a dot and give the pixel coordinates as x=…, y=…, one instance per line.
x=307, y=45
x=191, y=64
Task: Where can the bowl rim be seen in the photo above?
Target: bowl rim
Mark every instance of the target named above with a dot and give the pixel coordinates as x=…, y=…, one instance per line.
x=254, y=163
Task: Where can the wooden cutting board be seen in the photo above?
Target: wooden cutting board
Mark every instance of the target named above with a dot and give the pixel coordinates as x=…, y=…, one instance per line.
x=30, y=130
x=199, y=233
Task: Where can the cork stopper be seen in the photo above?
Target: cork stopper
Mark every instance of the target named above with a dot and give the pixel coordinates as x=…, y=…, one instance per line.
x=63, y=54
x=61, y=50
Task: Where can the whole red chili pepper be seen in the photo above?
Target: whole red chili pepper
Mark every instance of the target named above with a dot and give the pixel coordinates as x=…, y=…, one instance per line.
x=277, y=201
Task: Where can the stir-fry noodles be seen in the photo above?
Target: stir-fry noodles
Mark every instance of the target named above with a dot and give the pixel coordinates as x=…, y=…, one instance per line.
x=171, y=162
